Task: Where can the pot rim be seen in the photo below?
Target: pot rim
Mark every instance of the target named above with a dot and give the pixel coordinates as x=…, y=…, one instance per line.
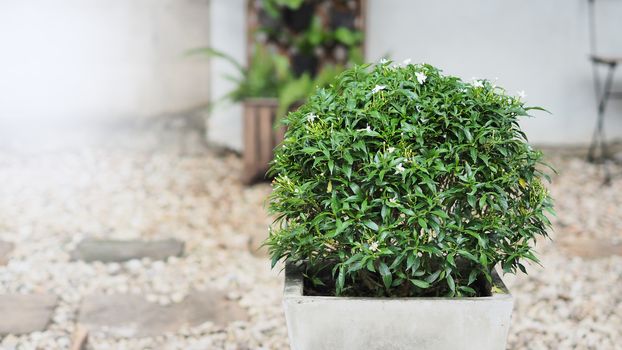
x=294, y=288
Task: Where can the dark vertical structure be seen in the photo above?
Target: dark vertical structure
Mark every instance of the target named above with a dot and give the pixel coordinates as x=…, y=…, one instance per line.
x=598, y=151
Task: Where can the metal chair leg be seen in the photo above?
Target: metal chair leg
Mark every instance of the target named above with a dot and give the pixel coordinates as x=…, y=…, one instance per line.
x=599, y=143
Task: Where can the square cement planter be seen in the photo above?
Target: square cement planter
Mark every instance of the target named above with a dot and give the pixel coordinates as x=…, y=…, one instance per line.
x=340, y=323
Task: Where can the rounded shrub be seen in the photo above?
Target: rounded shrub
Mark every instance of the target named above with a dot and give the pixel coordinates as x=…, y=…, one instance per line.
x=402, y=181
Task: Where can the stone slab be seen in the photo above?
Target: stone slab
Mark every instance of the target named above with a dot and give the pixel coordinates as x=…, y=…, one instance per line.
x=25, y=313
x=118, y=251
x=125, y=315
x=590, y=248
x=5, y=250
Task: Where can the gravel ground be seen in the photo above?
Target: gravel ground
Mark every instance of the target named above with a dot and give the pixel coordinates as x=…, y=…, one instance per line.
x=161, y=182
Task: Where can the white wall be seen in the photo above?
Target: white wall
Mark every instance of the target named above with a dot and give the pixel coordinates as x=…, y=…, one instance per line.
x=100, y=59
x=539, y=46
x=227, y=34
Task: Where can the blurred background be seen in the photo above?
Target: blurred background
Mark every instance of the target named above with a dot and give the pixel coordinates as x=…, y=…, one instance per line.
x=135, y=135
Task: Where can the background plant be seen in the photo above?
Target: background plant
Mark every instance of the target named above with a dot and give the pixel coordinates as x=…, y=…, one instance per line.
x=402, y=181
x=311, y=33
x=269, y=75
x=294, y=50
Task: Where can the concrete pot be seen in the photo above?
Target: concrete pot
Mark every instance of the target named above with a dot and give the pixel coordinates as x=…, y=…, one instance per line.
x=341, y=323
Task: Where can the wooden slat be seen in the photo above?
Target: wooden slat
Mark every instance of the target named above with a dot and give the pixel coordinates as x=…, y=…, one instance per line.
x=266, y=143
x=260, y=137
x=250, y=142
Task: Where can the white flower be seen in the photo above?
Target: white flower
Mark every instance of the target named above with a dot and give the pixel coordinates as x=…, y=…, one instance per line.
x=521, y=94
x=373, y=247
x=383, y=61
x=311, y=117
x=399, y=169
x=368, y=129
x=421, y=77
x=378, y=88
x=393, y=200
x=419, y=254
x=477, y=83
x=406, y=61
x=391, y=149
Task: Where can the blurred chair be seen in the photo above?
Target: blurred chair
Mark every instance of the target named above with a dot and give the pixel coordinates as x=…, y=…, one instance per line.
x=598, y=151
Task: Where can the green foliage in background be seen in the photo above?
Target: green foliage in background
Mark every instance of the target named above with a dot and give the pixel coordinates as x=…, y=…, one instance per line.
x=273, y=6
x=270, y=72
x=269, y=75
x=402, y=181
x=317, y=36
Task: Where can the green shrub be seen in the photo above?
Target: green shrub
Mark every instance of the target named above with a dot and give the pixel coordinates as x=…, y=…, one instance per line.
x=402, y=181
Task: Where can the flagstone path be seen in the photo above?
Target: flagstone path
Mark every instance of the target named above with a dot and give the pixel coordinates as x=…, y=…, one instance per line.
x=140, y=238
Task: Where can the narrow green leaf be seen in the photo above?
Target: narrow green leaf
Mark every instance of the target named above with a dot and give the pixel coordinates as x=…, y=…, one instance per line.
x=341, y=279
x=450, y=282
x=420, y=283
x=372, y=225
x=433, y=277
x=422, y=223
x=471, y=199
x=387, y=278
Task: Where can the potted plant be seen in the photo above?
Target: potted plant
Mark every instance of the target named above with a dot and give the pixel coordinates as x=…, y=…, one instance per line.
x=397, y=192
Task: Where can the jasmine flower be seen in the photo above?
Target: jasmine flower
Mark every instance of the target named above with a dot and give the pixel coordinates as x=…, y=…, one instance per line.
x=399, y=169
x=421, y=77
x=373, y=247
x=368, y=129
x=311, y=117
x=378, y=88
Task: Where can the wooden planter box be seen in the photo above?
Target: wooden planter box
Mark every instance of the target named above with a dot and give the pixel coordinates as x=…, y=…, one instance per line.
x=260, y=137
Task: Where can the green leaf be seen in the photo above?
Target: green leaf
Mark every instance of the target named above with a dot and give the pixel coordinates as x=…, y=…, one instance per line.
x=468, y=255
x=433, y=277
x=387, y=278
x=483, y=259
x=472, y=276
x=422, y=223
x=450, y=259
x=372, y=225
x=468, y=135
x=450, y=282
x=420, y=283
x=471, y=199
x=370, y=266
x=468, y=290
x=341, y=279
